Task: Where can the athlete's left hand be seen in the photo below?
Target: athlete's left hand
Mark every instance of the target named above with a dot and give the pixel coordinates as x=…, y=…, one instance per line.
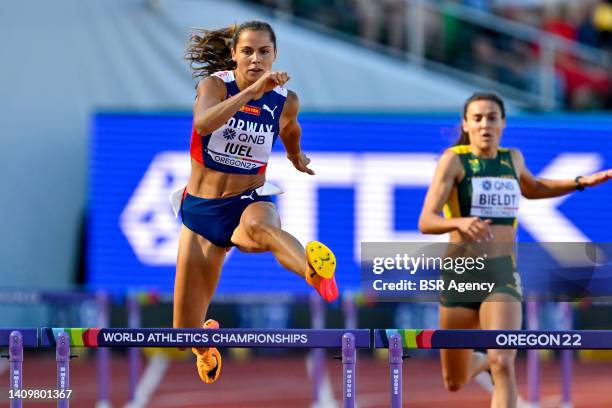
x=597, y=178
x=300, y=161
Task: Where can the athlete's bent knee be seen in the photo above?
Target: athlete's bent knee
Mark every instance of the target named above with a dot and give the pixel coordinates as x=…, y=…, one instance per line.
x=501, y=364
x=258, y=227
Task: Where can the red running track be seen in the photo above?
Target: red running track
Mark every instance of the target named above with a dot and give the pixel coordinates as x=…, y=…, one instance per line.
x=280, y=382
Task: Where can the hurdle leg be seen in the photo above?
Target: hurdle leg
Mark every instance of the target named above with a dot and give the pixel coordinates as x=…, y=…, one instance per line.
x=566, y=363
x=134, y=352
x=16, y=368
x=349, y=356
x=103, y=354
x=62, y=357
x=396, y=359
x=349, y=309
x=317, y=356
x=533, y=358
x=566, y=359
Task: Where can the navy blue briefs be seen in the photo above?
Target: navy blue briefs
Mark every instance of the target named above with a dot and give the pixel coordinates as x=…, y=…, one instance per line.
x=216, y=218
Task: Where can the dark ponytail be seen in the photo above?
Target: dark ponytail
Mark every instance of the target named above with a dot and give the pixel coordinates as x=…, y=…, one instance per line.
x=210, y=51
x=464, y=137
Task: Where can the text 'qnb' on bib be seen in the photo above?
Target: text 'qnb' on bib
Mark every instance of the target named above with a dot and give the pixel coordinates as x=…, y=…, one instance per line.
x=240, y=143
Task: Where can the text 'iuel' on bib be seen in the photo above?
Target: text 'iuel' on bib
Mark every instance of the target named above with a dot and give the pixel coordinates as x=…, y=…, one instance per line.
x=241, y=143
x=495, y=197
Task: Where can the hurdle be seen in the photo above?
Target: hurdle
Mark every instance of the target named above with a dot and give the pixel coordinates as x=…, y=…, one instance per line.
x=62, y=358
x=321, y=391
x=533, y=358
x=16, y=340
x=397, y=339
x=57, y=297
x=346, y=340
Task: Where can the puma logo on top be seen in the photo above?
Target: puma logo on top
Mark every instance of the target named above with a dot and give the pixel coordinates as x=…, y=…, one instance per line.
x=267, y=108
x=243, y=197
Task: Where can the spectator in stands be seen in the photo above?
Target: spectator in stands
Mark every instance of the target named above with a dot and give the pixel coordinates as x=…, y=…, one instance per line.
x=326, y=13
x=602, y=20
x=557, y=21
x=374, y=15
x=585, y=85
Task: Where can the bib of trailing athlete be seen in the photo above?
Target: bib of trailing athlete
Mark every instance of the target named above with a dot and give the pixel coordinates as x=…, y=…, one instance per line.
x=495, y=197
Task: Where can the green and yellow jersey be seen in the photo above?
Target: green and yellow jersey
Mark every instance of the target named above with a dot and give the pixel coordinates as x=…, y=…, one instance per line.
x=489, y=190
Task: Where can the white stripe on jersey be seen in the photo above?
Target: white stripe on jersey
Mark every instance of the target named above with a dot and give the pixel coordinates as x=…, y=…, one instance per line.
x=228, y=76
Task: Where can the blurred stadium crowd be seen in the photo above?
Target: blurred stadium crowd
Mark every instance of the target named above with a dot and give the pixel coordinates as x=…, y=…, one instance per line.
x=480, y=49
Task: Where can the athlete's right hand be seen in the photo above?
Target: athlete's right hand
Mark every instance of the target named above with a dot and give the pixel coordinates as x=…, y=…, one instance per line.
x=476, y=229
x=268, y=81
x=300, y=161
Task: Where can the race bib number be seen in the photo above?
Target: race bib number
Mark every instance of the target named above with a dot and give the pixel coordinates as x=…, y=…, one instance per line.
x=240, y=143
x=494, y=197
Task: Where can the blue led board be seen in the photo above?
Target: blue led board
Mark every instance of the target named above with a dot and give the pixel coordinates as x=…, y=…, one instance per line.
x=372, y=175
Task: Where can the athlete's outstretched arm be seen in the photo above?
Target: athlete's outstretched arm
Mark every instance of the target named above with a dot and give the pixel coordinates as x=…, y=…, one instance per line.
x=291, y=132
x=448, y=172
x=533, y=187
x=211, y=110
